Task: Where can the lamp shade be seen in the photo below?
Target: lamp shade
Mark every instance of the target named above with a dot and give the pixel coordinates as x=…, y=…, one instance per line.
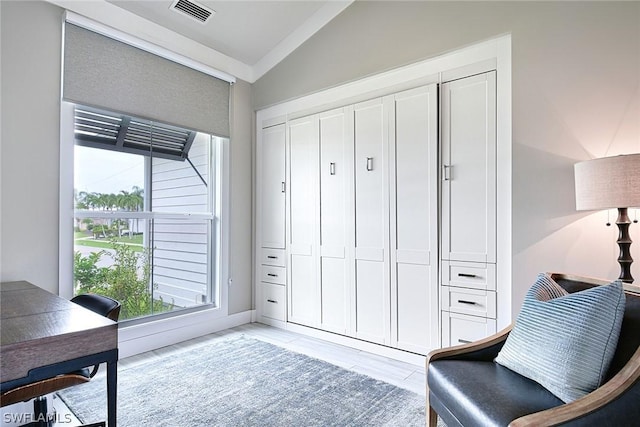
x=608, y=182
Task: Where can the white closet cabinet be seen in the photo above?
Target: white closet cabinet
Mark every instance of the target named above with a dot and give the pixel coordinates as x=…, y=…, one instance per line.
x=414, y=231
x=368, y=267
x=371, y=167
x=272, y=183
x=271, y=252
x=468, y=266
x=302, y=219
x=336, y=218
x=469, y=169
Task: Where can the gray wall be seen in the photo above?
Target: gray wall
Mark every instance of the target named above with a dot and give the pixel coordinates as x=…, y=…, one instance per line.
x=241, y=176
x=31, y=50
x=575, y=95
x=31, y=43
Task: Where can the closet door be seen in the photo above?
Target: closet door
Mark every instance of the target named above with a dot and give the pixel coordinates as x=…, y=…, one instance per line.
x=272, y=183
x=372, y=294
x=302, y=220
x=336, y=218
x=414, y=222
x=469, y=164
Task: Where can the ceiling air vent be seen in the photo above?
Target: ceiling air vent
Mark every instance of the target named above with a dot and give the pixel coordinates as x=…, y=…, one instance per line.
x=193, y=10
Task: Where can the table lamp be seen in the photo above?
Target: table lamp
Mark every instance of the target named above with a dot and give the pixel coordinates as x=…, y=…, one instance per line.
x=611, y=182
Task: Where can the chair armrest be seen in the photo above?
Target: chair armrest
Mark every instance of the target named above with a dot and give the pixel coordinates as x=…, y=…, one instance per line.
x=465, y=349
x=459, y=350
x=593, y=401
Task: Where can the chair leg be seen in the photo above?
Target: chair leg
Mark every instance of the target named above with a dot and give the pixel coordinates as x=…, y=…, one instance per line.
x=432, y=417
x=40, y=411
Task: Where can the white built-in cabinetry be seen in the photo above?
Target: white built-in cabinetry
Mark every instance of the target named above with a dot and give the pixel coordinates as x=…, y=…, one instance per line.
x=468, y=209
x=389, y=234
x=271, y=286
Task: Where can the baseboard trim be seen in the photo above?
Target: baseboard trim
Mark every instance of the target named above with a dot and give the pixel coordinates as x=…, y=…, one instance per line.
x=132, y=344
x=391, y=353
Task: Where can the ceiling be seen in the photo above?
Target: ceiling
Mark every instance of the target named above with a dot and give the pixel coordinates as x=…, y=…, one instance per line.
x=247, y=31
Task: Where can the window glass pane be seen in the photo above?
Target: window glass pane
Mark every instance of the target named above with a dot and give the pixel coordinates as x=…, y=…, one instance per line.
x=107, y=172
x=144, y=228
x=182, y=186
x=181, y=262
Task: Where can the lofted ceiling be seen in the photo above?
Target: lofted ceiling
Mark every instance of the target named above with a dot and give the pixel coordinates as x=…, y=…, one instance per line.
x=256, y=33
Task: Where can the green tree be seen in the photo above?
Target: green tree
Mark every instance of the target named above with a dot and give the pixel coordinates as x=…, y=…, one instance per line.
x=87, y=276
x=127, y=280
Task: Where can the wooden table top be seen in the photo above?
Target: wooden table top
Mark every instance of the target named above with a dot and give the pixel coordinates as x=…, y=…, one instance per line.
x=39, y=328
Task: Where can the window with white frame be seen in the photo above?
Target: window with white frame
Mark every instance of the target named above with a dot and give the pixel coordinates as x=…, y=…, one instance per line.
x=146, y=209
x=147, y=130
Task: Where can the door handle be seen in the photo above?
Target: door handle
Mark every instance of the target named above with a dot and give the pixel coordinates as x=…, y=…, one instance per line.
x=369, y=164
x=446, y=172
x=332, y=168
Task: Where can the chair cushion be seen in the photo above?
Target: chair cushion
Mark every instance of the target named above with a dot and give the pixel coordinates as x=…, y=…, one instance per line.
x=565, y=341
x=484, y=393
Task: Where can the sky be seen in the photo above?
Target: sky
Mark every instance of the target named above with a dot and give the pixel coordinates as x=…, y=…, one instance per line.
x=105, y=171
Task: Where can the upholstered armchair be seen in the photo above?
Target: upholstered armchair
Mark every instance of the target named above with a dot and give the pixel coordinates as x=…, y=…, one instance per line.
x=466, y=387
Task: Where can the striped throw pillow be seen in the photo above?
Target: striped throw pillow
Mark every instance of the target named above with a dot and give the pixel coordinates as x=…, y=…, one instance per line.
x=564, y=341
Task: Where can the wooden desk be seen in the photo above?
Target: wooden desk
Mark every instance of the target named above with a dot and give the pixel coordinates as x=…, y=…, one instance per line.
x=44, y=335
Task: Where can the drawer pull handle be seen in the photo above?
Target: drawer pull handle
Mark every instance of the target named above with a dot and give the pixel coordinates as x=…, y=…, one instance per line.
x=461, y=301
x=272, y=257
x=461, y=341
x=272, y=301
x=466, y=275
x=272, y=275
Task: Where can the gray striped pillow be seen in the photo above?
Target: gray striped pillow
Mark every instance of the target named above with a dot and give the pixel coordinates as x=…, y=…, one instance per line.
x=564, y=341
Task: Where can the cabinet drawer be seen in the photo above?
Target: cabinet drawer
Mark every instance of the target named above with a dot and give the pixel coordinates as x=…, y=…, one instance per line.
x=273, y=301
x=469, y=301
x=462, y=329
x=273, y=274
x=469, y=275
x=272, y=257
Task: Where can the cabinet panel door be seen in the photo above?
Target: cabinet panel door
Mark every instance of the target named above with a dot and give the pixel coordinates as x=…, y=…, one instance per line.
x=414, y=223
x=469, y=160
x=372, y=291
x=336, y=218
x=372, y=301
x=302, y=219
x=272, y=180
x=413, y=326
x=335, y=309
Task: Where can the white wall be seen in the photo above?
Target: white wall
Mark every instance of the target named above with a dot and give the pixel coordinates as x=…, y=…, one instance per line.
x=576, y=95
x=31, y=33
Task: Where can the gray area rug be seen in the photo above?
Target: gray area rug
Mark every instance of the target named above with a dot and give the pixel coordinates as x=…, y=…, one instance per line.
x=246, y=382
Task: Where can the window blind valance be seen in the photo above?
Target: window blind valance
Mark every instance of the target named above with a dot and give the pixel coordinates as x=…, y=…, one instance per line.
x=106, y=73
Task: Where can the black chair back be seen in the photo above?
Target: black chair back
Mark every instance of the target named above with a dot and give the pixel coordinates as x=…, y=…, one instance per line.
x=104, y=306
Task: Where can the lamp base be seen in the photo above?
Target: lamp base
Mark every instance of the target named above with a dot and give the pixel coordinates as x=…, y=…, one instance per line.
x=624, y=243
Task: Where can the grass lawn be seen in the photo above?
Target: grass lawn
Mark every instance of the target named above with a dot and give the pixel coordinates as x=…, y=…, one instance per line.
x=82, y=239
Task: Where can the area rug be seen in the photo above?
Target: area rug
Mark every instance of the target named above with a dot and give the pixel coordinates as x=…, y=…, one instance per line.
x=246, y=382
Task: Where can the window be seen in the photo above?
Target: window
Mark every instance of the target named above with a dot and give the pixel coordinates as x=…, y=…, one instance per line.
x=146, y=213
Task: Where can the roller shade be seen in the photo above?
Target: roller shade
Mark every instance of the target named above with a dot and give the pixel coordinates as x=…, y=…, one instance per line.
x=106, y=73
